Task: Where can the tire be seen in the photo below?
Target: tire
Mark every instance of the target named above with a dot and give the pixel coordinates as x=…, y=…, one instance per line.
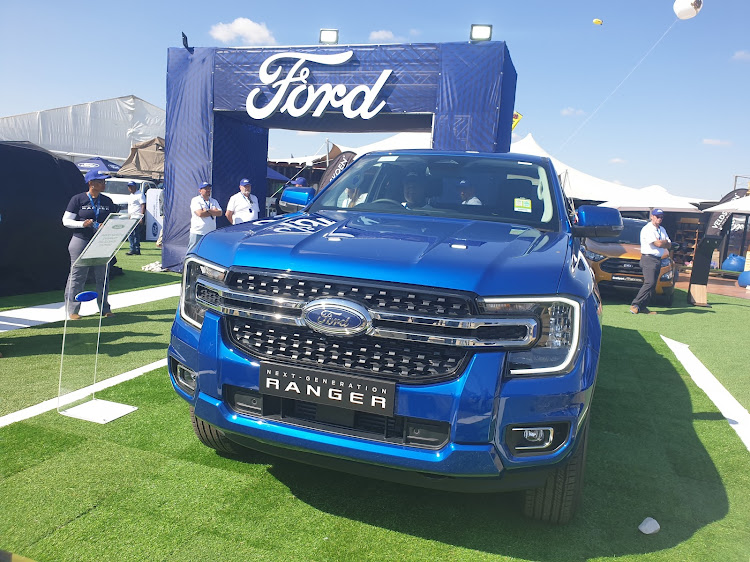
x=668, y=300
x=665, y=299
x=213, y=437
x=558, y=500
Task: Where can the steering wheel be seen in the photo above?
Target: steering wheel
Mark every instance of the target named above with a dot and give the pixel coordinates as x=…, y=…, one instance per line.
x=389, y=201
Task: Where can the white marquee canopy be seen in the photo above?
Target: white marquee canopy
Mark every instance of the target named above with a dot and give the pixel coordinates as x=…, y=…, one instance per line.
x=106, y=128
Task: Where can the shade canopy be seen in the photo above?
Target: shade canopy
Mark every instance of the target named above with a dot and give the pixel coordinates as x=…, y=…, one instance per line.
x=740, y=205
x=98, y=164
x=273, y=175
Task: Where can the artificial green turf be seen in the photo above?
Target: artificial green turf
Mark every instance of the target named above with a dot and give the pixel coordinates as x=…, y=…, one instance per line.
x=716, y=335
x=30, y=367
x=143, y=487
x=133, y=278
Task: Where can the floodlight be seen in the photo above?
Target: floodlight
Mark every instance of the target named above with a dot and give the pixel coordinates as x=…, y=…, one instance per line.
x=480, y=32
x=329, y=37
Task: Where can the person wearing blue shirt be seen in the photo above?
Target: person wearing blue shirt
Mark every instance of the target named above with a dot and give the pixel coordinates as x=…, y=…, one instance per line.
x=85, y=212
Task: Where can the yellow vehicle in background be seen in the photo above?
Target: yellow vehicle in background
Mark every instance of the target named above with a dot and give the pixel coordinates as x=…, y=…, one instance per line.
x=616, y=263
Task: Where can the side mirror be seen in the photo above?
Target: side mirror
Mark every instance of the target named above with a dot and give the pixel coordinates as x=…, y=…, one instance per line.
x=294, y=199
x=597, y=222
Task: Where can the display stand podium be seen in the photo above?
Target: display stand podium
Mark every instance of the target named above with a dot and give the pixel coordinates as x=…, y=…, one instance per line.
x=79, y=359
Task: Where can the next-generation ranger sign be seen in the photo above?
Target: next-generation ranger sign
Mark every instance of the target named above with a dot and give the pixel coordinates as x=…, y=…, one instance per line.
x=304, y=98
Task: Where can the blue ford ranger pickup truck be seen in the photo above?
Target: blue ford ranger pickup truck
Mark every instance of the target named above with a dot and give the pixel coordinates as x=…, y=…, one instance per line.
x=427, y=318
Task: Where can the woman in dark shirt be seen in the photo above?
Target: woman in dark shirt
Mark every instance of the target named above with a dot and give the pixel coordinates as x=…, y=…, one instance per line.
x=85, y=212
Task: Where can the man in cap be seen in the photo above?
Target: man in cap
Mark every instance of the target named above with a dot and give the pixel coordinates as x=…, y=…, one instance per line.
x=136, y=206
x=243, y=206
x=468, y=193
x=299, y=182
x=203, y=212
x=84, y=213
x=655, y=244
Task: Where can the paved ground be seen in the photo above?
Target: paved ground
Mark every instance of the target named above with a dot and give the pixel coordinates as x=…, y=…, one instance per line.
x=717, y=286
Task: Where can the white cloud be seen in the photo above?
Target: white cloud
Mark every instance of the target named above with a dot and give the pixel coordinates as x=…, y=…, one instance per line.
x=617, y=161
x=246, y=30
x=382, y=36
x=741, y=55
x=572, y=112
x=717, y=142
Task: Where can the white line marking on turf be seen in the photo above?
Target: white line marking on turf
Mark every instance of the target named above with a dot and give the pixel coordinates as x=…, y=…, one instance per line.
x=71, y=397
x=737, y=416
x=35, y=315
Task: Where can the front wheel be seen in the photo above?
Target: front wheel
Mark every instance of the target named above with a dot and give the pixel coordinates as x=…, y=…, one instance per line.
x=213, y=437
x=557, y=501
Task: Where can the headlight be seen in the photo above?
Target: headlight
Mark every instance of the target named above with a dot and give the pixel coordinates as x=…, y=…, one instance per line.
x=559, y=321
x=195, y=269
x=667, y=276
x=593, y=256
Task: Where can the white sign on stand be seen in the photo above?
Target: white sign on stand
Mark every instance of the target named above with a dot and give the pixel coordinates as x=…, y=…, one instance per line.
x=81, y=340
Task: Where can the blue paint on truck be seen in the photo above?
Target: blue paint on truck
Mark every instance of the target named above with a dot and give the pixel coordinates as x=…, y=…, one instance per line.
x=427, y=318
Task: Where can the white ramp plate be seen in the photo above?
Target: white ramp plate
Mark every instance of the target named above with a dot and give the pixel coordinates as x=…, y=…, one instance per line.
x=99, y=411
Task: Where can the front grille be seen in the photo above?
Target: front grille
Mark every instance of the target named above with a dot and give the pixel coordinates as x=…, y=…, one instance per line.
x=391, y=429
x=410, y=334
x=621, y=266
x=392, y=359
x=416, y=301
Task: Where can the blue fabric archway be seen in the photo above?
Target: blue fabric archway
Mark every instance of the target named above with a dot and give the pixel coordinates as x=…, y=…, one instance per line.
x=221, y=103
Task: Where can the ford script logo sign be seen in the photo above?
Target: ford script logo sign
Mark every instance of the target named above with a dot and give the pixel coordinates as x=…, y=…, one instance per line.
x=336, y=317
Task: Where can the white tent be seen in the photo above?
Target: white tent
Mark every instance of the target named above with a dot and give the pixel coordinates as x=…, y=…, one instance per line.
x=739, y=205
x=106, y=128
x=651, y=197
x=577, y=184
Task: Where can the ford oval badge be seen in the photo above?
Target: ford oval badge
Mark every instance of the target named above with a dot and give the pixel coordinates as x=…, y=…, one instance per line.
x=336, y=317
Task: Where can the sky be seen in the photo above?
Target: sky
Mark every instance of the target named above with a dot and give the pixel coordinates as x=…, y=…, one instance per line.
x=643, y=99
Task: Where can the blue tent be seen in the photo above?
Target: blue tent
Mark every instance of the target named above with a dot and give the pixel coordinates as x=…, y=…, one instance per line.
x=272, y=174
x=99, y=164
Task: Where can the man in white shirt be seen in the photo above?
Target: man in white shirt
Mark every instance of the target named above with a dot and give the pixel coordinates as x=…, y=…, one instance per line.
x=655, y=244
x=243, y=206
x=468, y=194
x=203, y=212
x=136, y=206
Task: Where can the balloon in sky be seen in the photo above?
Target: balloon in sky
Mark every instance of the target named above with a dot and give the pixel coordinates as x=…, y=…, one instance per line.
x=686, y=9
x=597, y=21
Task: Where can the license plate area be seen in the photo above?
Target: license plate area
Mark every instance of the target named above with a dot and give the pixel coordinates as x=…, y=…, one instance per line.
x=349, y=392
x=627, y=279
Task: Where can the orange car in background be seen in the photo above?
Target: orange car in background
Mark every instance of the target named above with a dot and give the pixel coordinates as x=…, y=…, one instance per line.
x=616, y=263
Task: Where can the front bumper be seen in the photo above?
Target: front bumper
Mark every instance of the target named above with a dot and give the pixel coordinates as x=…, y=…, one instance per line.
x=479, y=406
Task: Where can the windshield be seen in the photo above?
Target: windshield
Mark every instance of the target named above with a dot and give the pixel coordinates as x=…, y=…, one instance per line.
x=462, y=186
x=631, y=233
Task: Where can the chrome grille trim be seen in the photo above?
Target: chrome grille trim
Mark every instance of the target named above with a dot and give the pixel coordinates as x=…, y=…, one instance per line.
x=289, y=314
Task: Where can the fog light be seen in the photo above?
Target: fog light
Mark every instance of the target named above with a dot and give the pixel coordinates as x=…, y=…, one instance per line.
x=185, y=378
x=534, y=435
x=536, y=439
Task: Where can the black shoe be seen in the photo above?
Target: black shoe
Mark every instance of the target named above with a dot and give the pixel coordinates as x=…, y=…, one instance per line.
x=128, y=253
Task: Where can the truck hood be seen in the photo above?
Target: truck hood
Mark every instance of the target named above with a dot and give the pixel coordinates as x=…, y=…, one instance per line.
x=480, y=256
